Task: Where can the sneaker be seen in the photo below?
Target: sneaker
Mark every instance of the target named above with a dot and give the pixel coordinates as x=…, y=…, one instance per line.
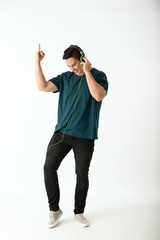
x=81, y=220
x=54, y=218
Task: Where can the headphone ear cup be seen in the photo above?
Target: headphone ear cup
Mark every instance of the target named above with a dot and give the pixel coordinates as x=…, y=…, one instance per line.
x=81, y=58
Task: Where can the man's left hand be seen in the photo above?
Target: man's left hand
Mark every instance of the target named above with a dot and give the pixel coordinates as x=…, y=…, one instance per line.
x=86, y=65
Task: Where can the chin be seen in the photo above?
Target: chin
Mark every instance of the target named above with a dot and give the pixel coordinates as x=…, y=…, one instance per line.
x=77, y=73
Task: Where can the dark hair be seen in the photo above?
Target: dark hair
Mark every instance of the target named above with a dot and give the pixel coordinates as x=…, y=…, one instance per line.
x=73, y=51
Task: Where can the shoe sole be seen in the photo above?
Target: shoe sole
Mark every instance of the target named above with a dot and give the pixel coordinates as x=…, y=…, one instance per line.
x=56, y=223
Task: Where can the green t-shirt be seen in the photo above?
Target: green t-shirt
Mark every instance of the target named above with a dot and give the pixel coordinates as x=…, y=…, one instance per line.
x=84, y=123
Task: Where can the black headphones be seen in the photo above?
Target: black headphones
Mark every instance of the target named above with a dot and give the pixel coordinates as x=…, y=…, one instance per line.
x=80, y=50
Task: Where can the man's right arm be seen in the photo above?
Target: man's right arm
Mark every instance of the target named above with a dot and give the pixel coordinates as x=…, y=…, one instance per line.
x=42, y=84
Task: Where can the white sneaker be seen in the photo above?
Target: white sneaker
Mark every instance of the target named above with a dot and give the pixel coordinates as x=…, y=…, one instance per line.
x=81, y=220
x=54, y=218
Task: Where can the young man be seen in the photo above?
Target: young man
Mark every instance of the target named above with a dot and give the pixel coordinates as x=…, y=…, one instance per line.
x=81, y=91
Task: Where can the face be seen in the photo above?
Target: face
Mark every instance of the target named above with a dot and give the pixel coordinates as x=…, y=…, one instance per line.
x=75, y=66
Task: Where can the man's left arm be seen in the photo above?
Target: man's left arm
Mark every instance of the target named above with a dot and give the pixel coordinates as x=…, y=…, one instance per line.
x=96, y=90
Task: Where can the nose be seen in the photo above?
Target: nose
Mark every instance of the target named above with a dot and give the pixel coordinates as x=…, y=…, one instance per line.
x=72, y=69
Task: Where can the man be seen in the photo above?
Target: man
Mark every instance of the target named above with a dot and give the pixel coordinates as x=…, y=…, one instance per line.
x=81, y=91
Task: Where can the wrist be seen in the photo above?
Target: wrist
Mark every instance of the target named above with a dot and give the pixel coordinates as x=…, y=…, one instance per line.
x=87, y=73
x=37, y=62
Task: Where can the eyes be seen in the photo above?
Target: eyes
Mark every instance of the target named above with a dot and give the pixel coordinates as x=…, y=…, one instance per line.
x=73, y=65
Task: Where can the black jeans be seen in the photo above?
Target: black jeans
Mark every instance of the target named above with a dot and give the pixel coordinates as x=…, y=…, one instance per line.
x=83, y=151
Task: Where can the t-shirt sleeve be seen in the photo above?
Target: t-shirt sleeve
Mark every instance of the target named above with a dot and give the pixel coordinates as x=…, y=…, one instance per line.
x=101, y=78
x=57, y=82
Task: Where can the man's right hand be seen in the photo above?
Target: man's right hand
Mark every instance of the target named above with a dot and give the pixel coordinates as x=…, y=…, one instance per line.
x=39, y=54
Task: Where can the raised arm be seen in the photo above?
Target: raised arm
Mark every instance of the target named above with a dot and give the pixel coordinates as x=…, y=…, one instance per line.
x=42, y=84
x=96, y=90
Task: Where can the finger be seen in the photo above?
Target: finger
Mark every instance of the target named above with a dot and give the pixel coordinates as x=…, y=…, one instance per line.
x=39, y=47
x=85, y=59
x=42, y=53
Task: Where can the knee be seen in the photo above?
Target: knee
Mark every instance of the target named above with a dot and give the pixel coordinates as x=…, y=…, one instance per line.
x=46, y=167
x=82, y=175
x=49, y=168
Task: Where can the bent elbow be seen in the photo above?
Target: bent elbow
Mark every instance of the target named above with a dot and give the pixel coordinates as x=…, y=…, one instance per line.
x=100, y=98
x=41, y=90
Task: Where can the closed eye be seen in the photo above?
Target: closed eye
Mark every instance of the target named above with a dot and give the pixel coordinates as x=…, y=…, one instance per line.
x=73, y=65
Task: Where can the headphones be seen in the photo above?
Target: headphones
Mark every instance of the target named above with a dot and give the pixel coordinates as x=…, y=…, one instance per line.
x=80, y=51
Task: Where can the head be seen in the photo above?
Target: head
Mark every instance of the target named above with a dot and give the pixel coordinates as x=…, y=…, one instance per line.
x=72, y=56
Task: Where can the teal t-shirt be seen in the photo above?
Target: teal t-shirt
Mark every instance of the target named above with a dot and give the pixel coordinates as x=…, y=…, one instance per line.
x=85, y=121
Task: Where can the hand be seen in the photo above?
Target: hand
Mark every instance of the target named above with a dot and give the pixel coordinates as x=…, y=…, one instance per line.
x=39, y=54
x=86, y=65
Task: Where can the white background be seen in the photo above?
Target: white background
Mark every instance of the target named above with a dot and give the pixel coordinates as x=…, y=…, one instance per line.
x=120, y=38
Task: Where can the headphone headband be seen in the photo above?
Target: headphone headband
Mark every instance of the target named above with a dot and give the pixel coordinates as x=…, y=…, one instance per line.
x=78, y=48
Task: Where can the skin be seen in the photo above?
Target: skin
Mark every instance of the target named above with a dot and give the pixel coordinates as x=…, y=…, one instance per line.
x=39, y=54
x=96, y=90
x=77, y=67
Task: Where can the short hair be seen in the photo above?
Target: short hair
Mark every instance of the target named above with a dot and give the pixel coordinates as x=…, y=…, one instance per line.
x=73, y=51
